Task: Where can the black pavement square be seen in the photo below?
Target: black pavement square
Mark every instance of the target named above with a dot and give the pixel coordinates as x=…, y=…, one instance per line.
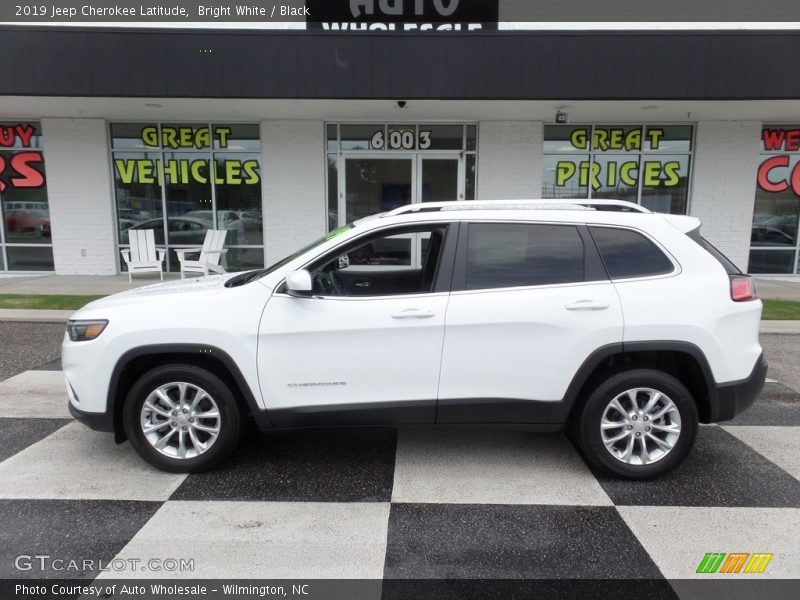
x=343, y=465
x=79, y=530
x=502, y=541
x=720, y=470
x=18, y=434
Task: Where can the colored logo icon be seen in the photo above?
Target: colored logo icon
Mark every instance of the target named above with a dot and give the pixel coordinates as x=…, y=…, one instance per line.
x=734, y=562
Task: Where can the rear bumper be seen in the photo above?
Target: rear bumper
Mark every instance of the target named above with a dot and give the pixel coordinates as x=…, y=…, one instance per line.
x=736, y=397
x=97, y=421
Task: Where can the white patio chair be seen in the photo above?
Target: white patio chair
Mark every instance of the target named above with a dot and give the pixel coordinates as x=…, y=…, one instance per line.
x=142, y=256
x=210, y=254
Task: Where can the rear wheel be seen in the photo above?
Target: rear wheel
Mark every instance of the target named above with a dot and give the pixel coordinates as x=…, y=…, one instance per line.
x=638, y=424
x=182, y=418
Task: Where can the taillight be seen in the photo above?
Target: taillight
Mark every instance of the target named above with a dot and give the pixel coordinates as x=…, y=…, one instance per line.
x=743, y=289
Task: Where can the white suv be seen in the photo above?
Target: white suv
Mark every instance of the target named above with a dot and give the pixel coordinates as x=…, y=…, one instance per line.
x=622, y=324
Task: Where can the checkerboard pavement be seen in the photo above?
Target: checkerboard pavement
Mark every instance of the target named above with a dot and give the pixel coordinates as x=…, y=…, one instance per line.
x=380, y=503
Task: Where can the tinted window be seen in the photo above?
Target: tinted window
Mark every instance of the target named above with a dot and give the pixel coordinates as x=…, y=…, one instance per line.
x=517, y=254
x=629, y=254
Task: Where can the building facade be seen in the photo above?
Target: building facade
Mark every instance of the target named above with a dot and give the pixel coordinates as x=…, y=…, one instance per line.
x=280, y=137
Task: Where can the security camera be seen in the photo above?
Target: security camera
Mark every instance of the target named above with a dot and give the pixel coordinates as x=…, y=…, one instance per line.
x=401, y=104
x=562, y=118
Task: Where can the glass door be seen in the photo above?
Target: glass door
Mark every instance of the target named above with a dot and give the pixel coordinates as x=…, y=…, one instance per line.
x=374, y=184
x=377, y=184
x=439, y=178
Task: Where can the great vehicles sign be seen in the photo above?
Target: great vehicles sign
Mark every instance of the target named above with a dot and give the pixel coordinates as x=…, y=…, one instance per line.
x=176, y=168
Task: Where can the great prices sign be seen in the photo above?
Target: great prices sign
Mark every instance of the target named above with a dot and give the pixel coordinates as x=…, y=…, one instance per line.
x=20, y=168
x=625, y=165
x=774, y=173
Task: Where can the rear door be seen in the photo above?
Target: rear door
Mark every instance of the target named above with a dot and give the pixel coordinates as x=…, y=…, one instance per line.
x=530, y=303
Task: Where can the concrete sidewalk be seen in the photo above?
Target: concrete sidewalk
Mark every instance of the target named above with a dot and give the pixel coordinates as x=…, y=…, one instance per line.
x=777, y=289
x=78, y=285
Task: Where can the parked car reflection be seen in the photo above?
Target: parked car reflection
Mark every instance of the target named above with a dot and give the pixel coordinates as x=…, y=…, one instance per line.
x=226, y=219
x=30, y=221
x=189, y=229
x=764, y=235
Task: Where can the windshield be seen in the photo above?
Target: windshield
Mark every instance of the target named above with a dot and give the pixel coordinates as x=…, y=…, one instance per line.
x=303, y=250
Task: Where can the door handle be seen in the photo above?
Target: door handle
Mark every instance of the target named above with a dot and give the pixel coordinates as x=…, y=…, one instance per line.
x=413, y=313
x=587, y=305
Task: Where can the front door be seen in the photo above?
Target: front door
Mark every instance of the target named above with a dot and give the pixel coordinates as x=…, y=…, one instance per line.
x=366, y=348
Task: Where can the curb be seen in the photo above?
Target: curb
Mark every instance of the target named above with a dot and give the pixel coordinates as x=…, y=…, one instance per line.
x=16, y=315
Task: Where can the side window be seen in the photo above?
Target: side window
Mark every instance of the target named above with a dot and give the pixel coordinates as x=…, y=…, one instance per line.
x=503, y=255
x=628, y=254
x=398, y=261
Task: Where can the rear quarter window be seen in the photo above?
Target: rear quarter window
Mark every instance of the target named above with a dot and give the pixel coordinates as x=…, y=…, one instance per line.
x=627, y=253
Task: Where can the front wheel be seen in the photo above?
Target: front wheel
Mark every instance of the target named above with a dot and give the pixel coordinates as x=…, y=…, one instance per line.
x=182, y=418
x=638, y=424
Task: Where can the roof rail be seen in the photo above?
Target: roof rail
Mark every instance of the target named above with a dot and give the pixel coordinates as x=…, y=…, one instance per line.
x=566, y=204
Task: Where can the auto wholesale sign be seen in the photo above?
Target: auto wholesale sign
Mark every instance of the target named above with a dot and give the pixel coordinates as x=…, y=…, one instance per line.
x=781, y=171
x=19, y=167
x=402, y=15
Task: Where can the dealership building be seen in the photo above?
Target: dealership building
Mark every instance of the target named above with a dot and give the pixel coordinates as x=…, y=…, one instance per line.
x=279, y=136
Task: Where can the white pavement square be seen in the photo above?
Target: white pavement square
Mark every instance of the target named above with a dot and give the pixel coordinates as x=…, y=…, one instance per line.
x=80, y=464
x=780, y=445
x=266, y=540
x=491, y=467
x=677, y=538
x=34, y=394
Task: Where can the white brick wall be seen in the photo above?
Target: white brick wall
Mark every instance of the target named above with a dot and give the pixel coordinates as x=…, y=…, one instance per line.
x=509, y=160
x=724, y=184
x=79, y=193
x=293, y=184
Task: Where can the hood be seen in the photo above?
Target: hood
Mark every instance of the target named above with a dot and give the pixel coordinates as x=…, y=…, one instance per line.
x=186, y=289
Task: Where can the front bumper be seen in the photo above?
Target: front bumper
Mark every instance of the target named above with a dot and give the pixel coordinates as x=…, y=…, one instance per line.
x=97, y=421
x=736, y=397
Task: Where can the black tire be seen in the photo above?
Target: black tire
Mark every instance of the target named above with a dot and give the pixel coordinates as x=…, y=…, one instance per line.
x=230, y=421
x=588, y=431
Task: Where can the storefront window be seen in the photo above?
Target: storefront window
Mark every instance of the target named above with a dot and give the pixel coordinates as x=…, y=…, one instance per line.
x=25, y=235
x=646, y=164
x=183, y=179
x=773, y=239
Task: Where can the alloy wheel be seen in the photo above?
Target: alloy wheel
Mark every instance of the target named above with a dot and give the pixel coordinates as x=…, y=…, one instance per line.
x=180, y=420
x=640, y=426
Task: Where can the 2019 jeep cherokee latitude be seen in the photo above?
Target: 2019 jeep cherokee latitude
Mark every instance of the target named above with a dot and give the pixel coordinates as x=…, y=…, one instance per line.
x=623, y=325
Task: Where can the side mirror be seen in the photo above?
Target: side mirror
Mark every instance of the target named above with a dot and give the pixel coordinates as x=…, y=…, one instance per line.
x=299, y=284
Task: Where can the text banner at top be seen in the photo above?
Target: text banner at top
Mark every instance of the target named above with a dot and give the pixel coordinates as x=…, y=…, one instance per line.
x=376, y=14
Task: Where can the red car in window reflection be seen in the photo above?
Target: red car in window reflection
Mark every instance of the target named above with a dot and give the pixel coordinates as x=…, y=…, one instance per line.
x=24, y=220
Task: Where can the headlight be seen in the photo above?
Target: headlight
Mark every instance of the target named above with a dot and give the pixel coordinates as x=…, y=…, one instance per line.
x=80, y=331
